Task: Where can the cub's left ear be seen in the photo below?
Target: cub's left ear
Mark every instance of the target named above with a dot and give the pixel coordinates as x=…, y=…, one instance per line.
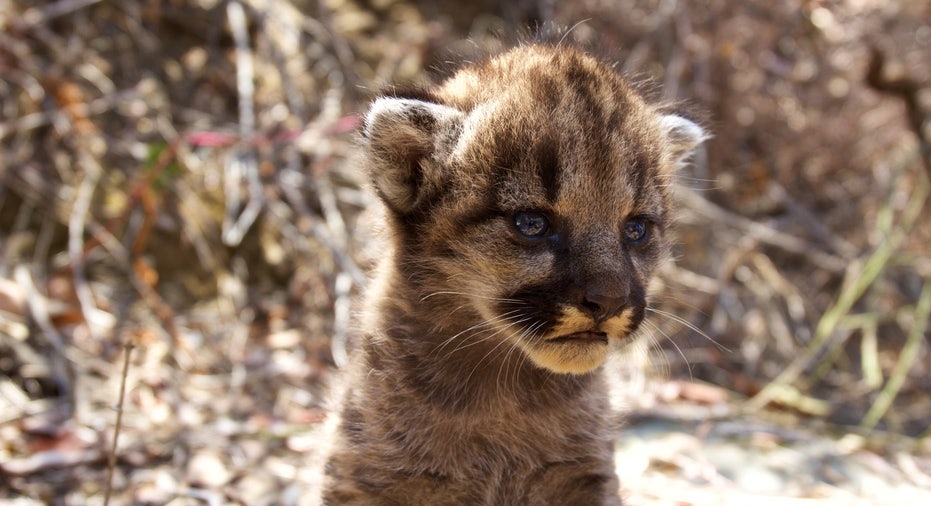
x=406, y=141
x=683, y=134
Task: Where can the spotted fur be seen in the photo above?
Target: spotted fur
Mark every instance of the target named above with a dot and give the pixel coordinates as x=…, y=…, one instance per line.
x=526, y=202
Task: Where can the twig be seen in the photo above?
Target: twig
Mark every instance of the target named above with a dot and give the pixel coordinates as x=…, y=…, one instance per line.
x=243, y=163
x=111, y=463
x=244, y=69
x=907, y=359
x=331, y=214
x=869, y=353
x=234, y=291
x=96, y=319
x=36, y=15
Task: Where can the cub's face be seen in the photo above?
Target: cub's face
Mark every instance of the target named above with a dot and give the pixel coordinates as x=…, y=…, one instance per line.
x=529, y=199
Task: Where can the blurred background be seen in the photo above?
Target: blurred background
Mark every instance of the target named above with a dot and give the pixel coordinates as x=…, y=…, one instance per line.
x=181, y=221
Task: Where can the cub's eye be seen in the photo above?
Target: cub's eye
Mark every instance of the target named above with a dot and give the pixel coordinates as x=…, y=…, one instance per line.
x=531, y=224
x=636, y=231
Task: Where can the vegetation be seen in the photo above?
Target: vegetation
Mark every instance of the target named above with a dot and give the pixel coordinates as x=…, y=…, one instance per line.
x=177, y=189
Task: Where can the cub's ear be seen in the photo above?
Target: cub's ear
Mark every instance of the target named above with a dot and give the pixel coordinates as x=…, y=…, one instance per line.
x=406, y=140
x=683, y=134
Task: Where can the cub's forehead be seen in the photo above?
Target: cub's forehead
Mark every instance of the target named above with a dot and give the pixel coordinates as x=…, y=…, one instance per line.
x=566, y=153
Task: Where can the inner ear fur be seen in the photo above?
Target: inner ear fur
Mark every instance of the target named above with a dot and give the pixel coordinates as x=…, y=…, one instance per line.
x=405, y=139
x=684, y=136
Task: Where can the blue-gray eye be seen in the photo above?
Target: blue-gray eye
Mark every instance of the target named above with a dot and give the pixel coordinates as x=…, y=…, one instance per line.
x=636, y=231
x=531, y=224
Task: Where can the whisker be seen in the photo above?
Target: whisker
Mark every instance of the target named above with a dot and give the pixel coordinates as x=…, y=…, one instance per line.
x=515, y=345
x=466, y=294
x=676, y=345
x=496, y=332
x=463, y=346
x=497, y=346
x=691, y=326
x=530, y=333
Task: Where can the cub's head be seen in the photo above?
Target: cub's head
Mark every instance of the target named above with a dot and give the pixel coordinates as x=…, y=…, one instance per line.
x=528, y=201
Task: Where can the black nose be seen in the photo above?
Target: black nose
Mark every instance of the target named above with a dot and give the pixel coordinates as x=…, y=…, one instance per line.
x=602, y=305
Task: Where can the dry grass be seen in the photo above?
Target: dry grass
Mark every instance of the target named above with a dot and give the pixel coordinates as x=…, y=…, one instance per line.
x=176, y=177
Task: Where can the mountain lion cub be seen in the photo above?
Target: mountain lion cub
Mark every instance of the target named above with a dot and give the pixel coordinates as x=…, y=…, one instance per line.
x=526, y=204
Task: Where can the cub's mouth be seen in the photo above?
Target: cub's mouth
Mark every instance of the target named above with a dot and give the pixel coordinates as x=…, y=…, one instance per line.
x=575, y=353
x=587, y=336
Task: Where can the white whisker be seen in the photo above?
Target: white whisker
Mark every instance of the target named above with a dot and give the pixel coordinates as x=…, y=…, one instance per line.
x=529, y=333
x=466, y=294
x=688, y=324
x=463, y=346
x=511, y=320
x=676, y=345
x=497, y=346
x=485, y=323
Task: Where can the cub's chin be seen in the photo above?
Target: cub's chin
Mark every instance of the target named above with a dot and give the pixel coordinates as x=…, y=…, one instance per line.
x=576, y=353
x=568, y=350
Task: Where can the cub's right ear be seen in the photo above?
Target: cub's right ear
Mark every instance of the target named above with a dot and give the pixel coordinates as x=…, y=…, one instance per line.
x=683, y=136
x=405, y=140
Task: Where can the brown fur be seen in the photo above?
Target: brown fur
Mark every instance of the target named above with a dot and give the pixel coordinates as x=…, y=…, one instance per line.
x=467, y=389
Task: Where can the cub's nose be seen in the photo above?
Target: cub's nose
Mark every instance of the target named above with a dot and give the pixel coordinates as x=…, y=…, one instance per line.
x=602, y=305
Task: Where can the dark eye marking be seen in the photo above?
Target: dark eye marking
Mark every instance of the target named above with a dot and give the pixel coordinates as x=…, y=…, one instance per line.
x=532, y=224
x=547, y=158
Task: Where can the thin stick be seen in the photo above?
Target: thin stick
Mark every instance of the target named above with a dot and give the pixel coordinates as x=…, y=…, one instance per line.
x=36, y=15
x=907, y=359
x=111, y=465
x=77, y=225
x=242, y=164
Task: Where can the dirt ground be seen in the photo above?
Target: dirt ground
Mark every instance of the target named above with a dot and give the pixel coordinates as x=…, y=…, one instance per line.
x=183, y=235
